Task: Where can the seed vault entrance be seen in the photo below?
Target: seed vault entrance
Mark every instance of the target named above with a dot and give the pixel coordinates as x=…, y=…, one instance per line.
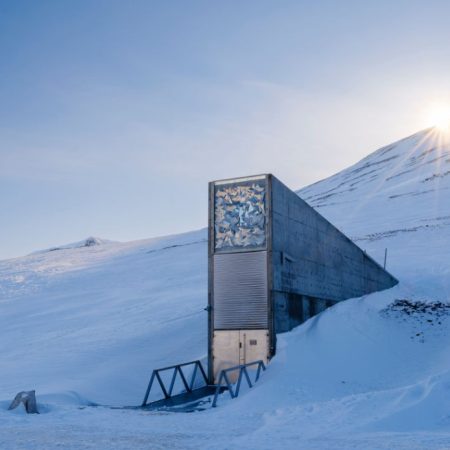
x=273, y=262
x=235, y=347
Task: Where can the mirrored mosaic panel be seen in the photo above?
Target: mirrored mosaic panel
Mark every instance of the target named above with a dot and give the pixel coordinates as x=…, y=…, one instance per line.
x=240, y=216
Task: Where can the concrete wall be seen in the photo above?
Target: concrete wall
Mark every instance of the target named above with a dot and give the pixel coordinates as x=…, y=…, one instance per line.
x=314, y=264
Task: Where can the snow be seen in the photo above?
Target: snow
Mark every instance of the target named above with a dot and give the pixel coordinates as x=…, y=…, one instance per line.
x=87, y=324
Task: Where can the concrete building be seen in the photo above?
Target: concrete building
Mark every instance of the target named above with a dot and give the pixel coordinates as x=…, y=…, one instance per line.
x=273, y=263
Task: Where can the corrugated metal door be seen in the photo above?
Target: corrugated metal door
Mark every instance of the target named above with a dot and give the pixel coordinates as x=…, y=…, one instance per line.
x=240, y=291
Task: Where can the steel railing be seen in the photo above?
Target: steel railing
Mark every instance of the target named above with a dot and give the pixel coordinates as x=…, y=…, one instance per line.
x=177, y=370
x=243, y=372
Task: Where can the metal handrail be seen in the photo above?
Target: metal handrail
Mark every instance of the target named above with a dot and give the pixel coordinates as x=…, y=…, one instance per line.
x=242, y=372
x=167, y=392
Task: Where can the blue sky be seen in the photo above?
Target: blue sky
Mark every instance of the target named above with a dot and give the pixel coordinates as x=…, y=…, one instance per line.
x=114, y=115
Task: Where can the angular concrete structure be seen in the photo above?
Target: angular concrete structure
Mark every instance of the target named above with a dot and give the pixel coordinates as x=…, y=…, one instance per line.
x=273, y=263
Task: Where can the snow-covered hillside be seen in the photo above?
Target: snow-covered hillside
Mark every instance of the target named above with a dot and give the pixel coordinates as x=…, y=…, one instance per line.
x=396, y=198
x=87, y=324
x=97, y=319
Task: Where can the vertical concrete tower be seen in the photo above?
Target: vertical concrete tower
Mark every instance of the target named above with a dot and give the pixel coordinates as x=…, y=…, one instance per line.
x=273, y=263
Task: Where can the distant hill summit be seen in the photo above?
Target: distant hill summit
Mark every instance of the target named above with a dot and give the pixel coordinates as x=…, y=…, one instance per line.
x=88, y=242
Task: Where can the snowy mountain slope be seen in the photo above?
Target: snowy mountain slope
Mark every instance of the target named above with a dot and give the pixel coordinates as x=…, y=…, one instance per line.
x=408, y=181
x=396, y=198
x=89, y=323
x=96, y=319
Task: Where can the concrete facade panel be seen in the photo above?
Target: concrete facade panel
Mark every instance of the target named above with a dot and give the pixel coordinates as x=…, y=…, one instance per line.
x=313, y=258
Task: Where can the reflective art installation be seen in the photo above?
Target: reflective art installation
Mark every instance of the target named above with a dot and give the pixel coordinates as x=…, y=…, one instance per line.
x=240, y=216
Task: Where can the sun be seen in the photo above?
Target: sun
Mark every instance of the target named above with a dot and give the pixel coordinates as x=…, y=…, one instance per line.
x=438, y=116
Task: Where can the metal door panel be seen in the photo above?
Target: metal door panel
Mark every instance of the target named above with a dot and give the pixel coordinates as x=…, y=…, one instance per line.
x=254, y=345
x=225, y=350
x=235, y=347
